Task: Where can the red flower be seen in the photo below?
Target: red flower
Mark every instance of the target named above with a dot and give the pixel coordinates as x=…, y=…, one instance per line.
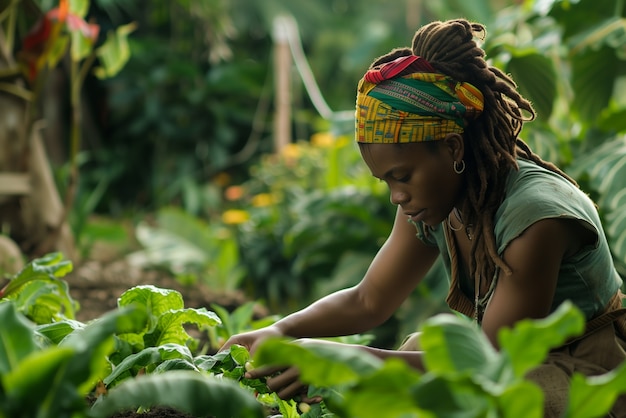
x=35, y=42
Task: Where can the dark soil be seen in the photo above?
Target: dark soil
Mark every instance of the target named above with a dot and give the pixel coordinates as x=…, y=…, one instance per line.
x=153, y=413
x=96, y=285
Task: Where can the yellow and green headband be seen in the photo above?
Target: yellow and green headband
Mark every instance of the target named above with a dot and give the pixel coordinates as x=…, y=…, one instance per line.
x=422, y=105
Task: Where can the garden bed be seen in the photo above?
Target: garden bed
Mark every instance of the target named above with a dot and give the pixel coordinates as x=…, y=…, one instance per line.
x=97, y=283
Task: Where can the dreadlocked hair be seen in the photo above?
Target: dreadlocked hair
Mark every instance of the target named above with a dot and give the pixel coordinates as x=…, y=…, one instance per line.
x=491, y=141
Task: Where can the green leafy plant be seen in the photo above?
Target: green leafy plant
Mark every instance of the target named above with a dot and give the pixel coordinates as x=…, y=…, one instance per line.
x=47, y=380
x=60, y=364
x=146, y=335
x=186, y=391
x=603, y=171
x=164, y=342
x=191, y=248
x=141, y=356
x=39, y=292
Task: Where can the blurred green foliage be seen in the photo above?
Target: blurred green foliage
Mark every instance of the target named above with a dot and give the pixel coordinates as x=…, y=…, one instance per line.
x=189, y=248
x=301, y=221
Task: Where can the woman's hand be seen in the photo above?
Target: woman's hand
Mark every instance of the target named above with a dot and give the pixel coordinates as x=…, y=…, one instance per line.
x=284, y=381
x=252, y=339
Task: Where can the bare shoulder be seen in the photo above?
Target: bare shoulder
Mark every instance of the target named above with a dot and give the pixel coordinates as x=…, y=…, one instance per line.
x=549, y=238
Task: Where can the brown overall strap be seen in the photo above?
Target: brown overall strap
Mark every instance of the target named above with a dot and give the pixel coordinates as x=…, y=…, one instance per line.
x=613, y=313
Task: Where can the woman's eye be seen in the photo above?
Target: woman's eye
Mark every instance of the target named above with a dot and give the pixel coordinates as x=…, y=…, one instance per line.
x=404, y=179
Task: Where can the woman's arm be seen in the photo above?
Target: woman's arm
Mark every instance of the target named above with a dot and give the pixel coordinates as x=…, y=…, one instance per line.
x=535, y=258
x=398, y=267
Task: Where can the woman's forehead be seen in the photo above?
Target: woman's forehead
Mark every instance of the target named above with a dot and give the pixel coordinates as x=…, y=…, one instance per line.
x=382, y=158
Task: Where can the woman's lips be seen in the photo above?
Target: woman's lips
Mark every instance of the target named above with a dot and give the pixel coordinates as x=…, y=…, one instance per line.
x=418, y=216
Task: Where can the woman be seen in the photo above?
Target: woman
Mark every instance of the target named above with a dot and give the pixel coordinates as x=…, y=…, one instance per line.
x=517, y=235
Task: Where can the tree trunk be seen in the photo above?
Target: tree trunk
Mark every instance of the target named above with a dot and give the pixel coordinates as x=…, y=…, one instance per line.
x=31, y=212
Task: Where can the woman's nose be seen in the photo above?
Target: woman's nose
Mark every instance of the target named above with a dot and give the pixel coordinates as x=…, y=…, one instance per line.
x=398, y=197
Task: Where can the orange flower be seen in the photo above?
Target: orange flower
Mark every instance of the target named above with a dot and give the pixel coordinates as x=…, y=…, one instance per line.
x=233, y=193
x=64, y=9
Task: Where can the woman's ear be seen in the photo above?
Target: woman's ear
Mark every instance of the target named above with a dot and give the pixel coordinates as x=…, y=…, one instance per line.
x=453, y=144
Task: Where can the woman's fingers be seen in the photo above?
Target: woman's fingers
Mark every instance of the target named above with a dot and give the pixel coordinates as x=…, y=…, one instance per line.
x=284, y=381
x=263, y=371
x=286, y=384
x=286, y=376
x=304, y=396
x=290, y=391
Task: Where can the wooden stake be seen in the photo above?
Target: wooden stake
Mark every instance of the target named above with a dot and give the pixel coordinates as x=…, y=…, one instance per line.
x=282, y=84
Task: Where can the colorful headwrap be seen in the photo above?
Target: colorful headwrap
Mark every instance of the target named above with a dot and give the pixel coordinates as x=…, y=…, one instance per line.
x=422, y=105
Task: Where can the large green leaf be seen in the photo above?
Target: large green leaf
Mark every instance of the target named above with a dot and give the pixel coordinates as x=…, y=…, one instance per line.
x=593, y=76
x=154, y=300
x=16, y=340
x=609, y=32
x=613, y=119
x=578, y=16
x=456, y=396
x=477, y=10
x=320, y=363
x=49, y=267
x=150, y=356
x=370, y=398
x=187, y=391
x=616, y=221
x=594, y=396
x=57, y=331
x=605, y=170
x=521, y=399
x=170, y=326
x=94, y=343
x=527, y=344
x=53, y=381
x=534, y=72
x=36, y=377
x=454, y=344
x=45, y=301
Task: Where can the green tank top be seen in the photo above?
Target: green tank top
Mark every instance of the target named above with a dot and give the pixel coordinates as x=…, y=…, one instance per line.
x=588, y=278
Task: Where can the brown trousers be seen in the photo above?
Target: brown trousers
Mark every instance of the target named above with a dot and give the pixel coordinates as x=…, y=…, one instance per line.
x=599, y=351
x=595, y=354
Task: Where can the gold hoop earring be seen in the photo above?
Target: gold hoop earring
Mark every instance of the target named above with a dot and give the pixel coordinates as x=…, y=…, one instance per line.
x=458, y=169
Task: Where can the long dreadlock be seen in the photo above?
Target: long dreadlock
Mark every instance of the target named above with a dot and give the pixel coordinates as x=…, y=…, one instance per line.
x=491, y=141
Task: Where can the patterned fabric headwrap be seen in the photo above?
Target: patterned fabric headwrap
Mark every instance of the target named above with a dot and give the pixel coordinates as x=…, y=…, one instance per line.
x=422, y=105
